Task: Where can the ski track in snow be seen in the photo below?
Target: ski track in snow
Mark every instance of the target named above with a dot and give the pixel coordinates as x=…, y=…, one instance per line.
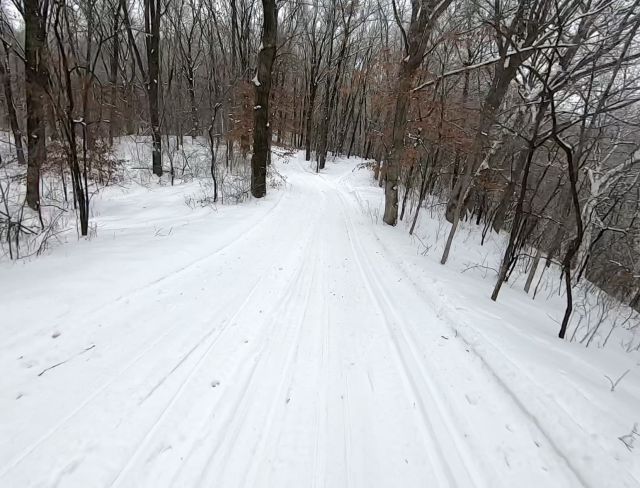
x=131, y=293
x=432, y=417
x=285, y=357
x=569, y=446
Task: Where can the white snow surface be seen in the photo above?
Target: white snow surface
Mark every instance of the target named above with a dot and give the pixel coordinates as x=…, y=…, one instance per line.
x=293, y=341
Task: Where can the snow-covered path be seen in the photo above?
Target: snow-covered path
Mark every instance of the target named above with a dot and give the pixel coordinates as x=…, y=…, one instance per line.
x=290, y=351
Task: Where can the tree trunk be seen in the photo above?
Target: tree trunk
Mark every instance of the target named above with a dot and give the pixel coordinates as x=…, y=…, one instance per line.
x=356, y=124
x=321, y=151
x=113, y=72
x=422, y=18
x=313, y=89
x=510, y=252
x=533, y=270
x=525, y=161
x=407, y=189
x=152, y=42
x=195, y=119
x=573, y=247
x=5, y=74
x=406, y=76
x=492, y=102
x=262, y=82
x=36, y=79
x=635, y=301
x=331, y=90
x=423, y=193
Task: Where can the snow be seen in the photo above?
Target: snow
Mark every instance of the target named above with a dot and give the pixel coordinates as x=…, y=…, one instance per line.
x=294, y=341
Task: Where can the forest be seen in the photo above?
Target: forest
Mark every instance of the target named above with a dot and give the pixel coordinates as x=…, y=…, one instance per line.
x=518, y=115
x=363, y=243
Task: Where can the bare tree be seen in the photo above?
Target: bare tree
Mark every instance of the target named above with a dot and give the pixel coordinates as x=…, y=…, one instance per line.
x=424, y=14
x=151, y=72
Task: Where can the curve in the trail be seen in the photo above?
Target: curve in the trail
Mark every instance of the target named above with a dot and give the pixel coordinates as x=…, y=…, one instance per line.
x=291, y=365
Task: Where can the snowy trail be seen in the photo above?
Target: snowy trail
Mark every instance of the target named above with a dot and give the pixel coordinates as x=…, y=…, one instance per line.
x=290, y=355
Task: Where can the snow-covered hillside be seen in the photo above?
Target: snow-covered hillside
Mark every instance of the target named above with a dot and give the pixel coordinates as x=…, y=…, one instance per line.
x=296, y=341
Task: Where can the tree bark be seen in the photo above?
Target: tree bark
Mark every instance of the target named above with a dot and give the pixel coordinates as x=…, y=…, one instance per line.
x=313, y=89
x=262, y=83
x=5, y=74
x=152, y=42
x=532, y=271
x=36, y=79
x=510, y=252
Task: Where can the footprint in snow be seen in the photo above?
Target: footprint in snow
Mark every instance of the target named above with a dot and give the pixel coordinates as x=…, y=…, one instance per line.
x=471, y=398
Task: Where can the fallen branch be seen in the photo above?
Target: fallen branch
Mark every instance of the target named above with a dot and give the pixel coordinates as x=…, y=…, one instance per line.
x=615, y=383
x=66, y=360
x=628, y=439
